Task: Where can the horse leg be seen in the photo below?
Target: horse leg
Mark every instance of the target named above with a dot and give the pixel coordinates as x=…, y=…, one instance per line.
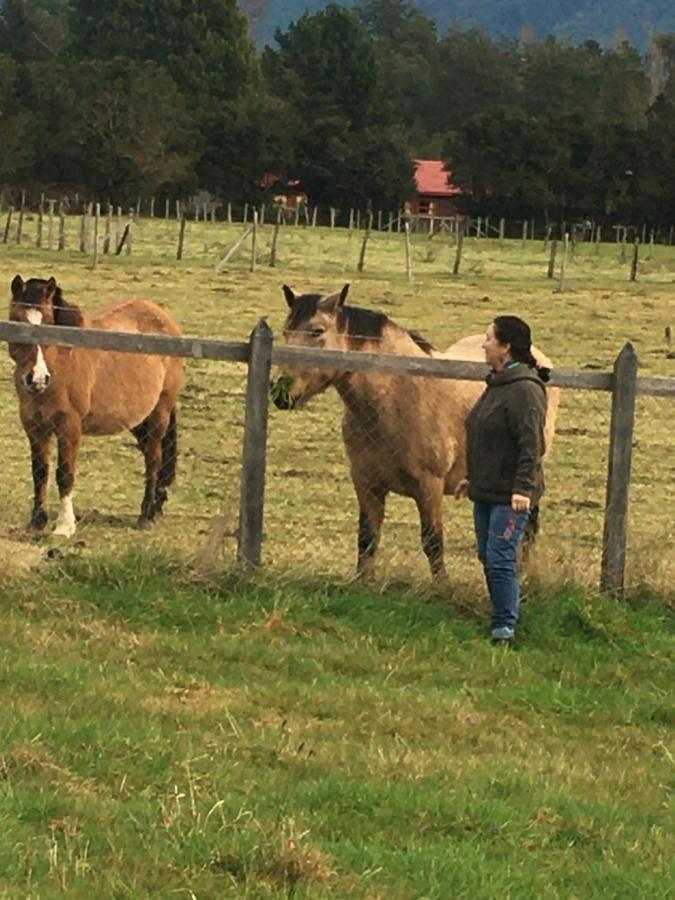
x=68, y=440
x=371, y=513
x=150, y=435
x=39, y=452
x=430, y=506
x=167, y=470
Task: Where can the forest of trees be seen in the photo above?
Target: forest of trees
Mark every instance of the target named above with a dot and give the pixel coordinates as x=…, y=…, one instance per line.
x=167, y=97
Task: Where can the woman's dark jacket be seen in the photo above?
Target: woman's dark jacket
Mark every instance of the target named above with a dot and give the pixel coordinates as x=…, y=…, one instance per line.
x=505, y=437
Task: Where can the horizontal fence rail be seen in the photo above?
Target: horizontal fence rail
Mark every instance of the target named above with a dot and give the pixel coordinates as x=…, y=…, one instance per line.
x=260, y=354
x=349, y=360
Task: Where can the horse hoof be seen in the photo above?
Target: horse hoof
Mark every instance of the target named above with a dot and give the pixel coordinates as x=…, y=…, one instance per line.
x=143, y=523
x=65, y=530
x=38, y=522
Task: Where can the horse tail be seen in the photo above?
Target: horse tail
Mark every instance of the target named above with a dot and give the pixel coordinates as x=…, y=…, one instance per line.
x=167, y=471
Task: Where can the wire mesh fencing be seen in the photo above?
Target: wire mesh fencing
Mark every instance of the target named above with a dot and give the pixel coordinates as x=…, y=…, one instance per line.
x=110, y=479
x=315, y=472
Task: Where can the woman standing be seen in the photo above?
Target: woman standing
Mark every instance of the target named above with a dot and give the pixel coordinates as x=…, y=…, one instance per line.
x=504, y=448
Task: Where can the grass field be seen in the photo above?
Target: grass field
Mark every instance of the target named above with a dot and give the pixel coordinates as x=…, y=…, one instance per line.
x=171, y=733
x=162, y=737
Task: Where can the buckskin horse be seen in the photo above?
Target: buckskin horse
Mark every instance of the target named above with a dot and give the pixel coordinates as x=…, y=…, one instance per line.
x=403, y=435
x=66, y=393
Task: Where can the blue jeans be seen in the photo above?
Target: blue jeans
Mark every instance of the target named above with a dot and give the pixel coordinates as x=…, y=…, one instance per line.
x=499, y=531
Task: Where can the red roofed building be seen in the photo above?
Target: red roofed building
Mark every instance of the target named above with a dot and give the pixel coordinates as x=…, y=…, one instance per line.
x=435, y=191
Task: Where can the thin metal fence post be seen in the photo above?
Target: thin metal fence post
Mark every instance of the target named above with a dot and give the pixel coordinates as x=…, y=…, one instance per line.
x=249, y=547
x=618, y=471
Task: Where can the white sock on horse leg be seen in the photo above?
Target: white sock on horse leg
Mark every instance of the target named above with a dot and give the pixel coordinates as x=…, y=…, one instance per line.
x=65, y=524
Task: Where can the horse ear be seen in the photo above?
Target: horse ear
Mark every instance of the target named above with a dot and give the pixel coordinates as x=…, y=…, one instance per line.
x=289, y=295
x=17, y=286
x=335, y=301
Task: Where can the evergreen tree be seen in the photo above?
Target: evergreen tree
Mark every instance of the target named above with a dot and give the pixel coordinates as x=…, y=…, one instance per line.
x=405, y=46
x=346, y=150
x=116, y=128
x=32, y=30
x=16, y=127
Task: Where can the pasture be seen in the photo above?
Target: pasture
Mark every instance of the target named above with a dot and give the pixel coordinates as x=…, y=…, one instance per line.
x=310, y=510
x=167, y=732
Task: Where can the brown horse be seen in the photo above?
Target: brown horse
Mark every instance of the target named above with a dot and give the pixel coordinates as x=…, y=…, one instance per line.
x=403, y=435
x=67, y=392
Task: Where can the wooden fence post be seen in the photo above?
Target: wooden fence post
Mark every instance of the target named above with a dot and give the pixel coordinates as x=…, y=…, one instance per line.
x=563, y=266
x=254, y=240
x=108, y=227
x=275, y=238
x=8, y=224
x=408, y=254
x=458, y=251
x=249, y=545
x=50, y=223
x=83, y=230
x=19, y=227
x=181, y=237
x=634, y=260
x=618, y=471
x=551, y=259
x=97, y=217
x=362, y=255
x=62, y=228
x=130, y=232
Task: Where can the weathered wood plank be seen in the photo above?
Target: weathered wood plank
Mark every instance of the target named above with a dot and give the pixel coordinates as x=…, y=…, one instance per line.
x=355, y=361
x=125, y=342
x=249, y=549
x=621, y=430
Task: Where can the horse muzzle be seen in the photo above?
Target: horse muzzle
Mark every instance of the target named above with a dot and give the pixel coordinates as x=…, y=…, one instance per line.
x=36, y=385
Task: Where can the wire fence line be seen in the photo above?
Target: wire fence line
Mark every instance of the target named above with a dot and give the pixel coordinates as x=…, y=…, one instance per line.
x=624, y=386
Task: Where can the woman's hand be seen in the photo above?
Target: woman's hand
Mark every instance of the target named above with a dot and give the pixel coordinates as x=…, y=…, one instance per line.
x=462, y=489
x=519, y=503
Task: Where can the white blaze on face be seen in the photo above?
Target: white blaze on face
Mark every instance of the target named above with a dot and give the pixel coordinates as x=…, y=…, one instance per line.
x=65, y=524
x=40, y=370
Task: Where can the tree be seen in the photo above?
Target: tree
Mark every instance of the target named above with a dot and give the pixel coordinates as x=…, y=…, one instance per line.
x=405, y=47
x=32, y=30
x=346, y=149
x=117, y=128
x=18, y=140
x=203, y=44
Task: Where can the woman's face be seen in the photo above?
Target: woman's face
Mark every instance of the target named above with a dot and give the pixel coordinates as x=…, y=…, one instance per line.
x=496, y=353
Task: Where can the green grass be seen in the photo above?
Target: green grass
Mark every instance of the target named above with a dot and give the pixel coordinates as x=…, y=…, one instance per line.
x=252, y=737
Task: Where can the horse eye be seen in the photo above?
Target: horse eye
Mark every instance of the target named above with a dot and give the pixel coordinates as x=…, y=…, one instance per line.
x=317, y=332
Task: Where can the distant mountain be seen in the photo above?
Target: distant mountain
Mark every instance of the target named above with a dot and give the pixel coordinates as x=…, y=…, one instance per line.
x=602, y=20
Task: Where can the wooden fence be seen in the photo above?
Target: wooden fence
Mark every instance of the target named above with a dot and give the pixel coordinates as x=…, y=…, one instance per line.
x=260, y=353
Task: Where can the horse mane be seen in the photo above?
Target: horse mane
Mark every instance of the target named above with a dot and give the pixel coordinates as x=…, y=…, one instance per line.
x=357, y=322
x=65, y=313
